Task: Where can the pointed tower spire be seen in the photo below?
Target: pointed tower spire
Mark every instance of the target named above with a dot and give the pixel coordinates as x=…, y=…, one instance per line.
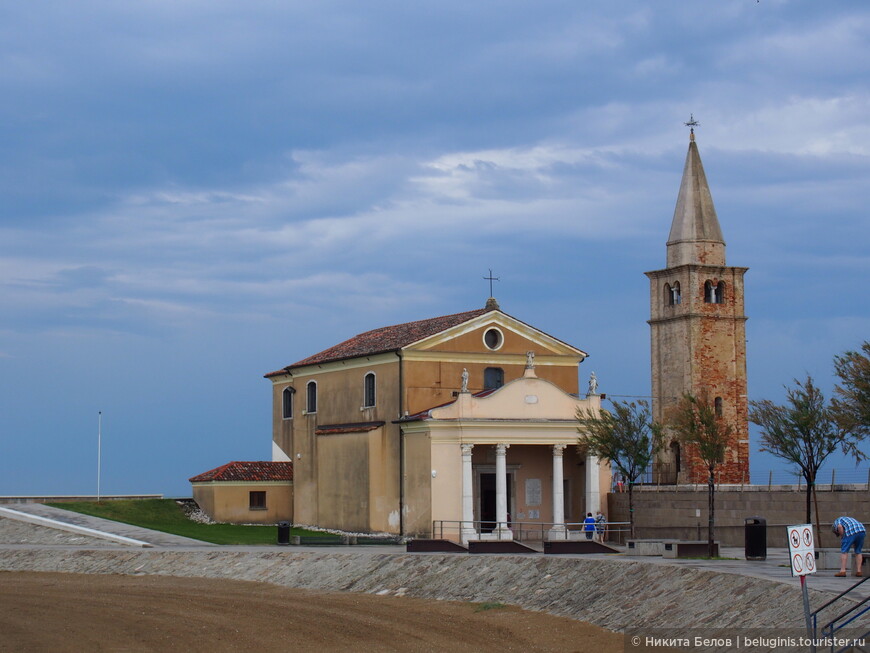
x=696, y=236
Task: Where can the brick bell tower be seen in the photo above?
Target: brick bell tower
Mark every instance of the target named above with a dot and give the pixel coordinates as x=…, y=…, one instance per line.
x=698, y=330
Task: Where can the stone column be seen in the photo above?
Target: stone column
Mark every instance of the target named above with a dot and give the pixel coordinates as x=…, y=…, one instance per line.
x=593, y=485
x=502, y=530
x=558, y=530
x=467, y=530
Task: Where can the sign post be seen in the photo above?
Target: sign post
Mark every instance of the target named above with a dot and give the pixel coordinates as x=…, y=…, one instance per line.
x=802, y=553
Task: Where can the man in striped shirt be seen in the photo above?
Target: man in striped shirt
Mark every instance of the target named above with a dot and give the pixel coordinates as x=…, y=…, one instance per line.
x=851, y=532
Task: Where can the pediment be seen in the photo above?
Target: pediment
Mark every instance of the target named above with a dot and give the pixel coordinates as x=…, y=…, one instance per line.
x=517, y=338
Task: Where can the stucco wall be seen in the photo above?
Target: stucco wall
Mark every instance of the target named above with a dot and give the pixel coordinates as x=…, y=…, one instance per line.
x=343, y=472
x=229, y=502
x=418, y=495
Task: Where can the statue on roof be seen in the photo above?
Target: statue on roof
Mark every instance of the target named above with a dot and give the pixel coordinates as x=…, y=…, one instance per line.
x=464, y=387
x=593, y=385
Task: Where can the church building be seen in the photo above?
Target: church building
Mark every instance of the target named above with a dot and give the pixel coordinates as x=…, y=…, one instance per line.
x=463, y=423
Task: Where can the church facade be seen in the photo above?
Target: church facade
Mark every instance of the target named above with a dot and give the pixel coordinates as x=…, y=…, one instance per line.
x=698, y=330
x=456, y=423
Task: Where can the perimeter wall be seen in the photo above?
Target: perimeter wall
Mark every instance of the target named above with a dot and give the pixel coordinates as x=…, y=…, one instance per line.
x=680, y=512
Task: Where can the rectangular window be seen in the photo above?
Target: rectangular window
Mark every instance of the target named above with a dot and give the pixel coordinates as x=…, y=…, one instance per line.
x=257, y=500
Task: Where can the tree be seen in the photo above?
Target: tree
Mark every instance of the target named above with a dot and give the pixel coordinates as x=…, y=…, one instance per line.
x=851, y=405
x=627, y=438
x=695, y=423
x=803, y=432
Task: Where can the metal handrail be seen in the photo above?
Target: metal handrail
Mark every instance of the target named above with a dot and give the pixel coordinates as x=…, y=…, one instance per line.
x=832, y=627
x=532, y=531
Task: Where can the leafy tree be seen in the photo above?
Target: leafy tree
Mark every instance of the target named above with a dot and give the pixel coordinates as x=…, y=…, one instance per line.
x=695, y=423
x=627, y=438
x=803, y=432
x=851, y=405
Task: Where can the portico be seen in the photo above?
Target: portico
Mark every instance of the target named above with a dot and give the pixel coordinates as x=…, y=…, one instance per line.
x=504, y=460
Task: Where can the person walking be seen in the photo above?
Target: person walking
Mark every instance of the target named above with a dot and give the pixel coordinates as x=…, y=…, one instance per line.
x=589, y=525
x=600, y=526
x=851, y=533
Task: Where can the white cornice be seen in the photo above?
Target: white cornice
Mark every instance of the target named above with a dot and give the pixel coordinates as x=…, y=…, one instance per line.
x=496, y=431
x=565, y=360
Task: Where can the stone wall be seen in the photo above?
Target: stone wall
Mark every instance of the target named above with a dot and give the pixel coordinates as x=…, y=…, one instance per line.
x=681, y=511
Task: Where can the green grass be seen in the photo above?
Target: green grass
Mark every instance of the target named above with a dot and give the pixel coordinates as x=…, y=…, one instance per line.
x=167, y=516
x=489, y=605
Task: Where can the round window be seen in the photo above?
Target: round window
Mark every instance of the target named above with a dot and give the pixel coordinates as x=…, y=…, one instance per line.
x=493, y=338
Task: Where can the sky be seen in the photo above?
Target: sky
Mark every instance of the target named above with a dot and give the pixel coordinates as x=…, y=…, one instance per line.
x=194, y=194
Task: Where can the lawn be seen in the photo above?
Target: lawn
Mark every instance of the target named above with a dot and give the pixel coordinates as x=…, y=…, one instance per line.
x=167, y=516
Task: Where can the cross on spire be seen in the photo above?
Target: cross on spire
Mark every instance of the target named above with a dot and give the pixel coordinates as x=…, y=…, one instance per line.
x=491, y=278
x=691, y=125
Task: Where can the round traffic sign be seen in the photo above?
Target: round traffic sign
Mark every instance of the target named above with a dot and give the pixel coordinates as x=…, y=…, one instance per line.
x=798, y=563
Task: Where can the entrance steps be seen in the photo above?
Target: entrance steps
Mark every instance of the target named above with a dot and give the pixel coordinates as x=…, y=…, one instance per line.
x=578, y=546
x=434, y=546
x=499, y=546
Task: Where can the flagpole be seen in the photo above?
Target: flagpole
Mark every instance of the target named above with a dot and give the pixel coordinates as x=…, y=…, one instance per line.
x=99, y=449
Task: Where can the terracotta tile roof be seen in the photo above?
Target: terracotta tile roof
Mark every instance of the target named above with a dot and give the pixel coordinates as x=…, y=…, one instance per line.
x=257, y=470
x=358, y=427
x=385, y=339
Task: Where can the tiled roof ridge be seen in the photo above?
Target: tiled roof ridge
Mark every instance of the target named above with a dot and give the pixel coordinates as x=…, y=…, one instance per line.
x=385, y=339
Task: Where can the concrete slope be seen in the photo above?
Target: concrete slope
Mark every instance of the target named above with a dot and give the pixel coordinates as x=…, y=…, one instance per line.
x=615, y=593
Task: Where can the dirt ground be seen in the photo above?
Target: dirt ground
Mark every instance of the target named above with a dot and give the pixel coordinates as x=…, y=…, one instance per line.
x=91, y=613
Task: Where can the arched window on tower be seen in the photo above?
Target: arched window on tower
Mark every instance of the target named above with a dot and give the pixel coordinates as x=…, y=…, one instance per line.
x=669, y=295
x=714, y=294
x=676, y=297
x=677, y=461
x=493, y=377
x=717, y=406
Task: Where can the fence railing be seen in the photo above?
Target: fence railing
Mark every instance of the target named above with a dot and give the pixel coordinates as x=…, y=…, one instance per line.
x=615, y=532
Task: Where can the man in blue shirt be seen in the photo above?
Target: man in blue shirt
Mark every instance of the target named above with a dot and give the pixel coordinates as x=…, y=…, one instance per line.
x=851, y=532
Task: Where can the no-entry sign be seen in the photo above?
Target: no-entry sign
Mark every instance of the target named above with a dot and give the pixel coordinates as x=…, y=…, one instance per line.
x=801, y=549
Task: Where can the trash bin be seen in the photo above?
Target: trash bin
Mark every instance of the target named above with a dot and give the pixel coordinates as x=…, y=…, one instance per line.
x=283, y=532
x=756, y=538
